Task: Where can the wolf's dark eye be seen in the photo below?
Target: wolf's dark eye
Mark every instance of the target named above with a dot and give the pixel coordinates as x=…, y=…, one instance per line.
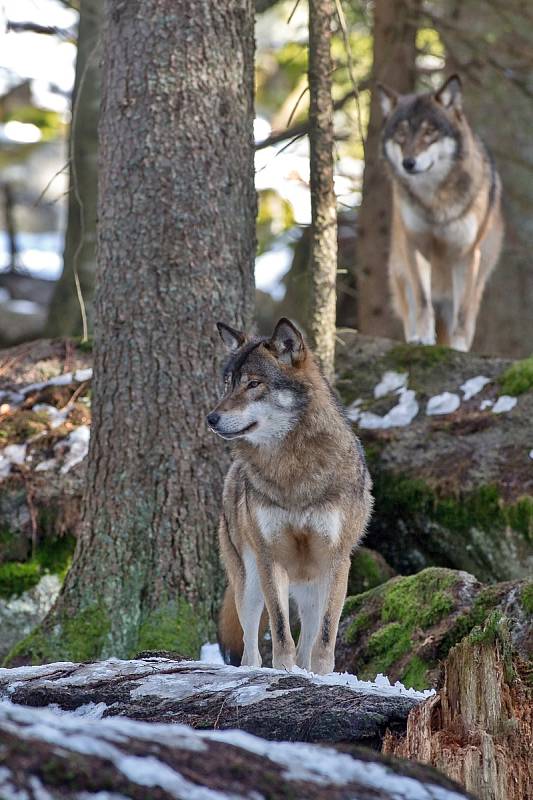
x=253, y=384
x=429, y=131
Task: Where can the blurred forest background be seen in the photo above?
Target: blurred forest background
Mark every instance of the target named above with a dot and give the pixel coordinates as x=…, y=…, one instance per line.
x=49, y=100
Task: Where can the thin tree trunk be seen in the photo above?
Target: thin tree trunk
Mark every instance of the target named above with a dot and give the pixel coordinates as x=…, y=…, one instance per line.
x=79, y=257
x=395, y=65
x=10, y=227
x=176, y=244
x=323, y=204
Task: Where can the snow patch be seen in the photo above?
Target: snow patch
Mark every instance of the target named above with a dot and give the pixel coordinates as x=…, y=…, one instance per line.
x=473, y=386
x=445, y=403
x=353, y=412
x=78, y=442
x=60, y=380
x=486, y=404
x=390, y=382
x=380, y=685
x=399, y=416
x=531, y=454
x=12, y=454
x=503, y=404
x=210, y=654
x=56, y=416
x=50, y=463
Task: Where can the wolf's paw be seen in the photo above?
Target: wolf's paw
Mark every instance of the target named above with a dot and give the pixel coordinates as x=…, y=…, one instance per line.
x=251, y=659
x=460, y=343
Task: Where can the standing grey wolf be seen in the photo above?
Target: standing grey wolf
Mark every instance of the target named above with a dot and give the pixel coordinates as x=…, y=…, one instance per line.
x=296, y=500
x=447, y=225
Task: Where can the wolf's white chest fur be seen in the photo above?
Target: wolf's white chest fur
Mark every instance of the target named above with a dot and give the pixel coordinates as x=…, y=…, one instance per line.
x=273, y=521
x=460, y=234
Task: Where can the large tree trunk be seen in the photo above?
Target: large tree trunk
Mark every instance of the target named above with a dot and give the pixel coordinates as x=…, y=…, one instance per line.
x=394, y=65
x=323, y=203
x=175, y=250
x=491, y=46
x=65, y=316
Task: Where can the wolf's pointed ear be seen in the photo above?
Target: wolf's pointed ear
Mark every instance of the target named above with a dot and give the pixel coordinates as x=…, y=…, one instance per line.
x=388, y=99
x=287, y=342
x=450, y=94
x=232, y=339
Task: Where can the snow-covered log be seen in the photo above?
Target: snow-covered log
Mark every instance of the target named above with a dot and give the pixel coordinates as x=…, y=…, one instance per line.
x=49, y=755
x=278, y=705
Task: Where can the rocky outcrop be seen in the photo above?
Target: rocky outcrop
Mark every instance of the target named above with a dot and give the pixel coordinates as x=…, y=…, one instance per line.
x=449, y=440
x=406, y=627
x=45, y=754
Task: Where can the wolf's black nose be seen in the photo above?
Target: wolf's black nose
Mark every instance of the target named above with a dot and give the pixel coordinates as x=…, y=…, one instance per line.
x=409, y=164
x=212, y=419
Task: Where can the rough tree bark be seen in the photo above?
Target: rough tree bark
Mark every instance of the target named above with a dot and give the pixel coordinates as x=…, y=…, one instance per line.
x=395, y=65
x=323, y=203
x=79, y=257
x=175, y=250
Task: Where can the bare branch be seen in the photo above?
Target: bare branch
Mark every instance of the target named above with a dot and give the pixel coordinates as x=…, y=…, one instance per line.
x=302, y=128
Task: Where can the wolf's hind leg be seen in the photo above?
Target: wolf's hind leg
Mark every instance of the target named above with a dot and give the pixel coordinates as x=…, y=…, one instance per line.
x=309, y=599
x=323, y=653
x=250, y=604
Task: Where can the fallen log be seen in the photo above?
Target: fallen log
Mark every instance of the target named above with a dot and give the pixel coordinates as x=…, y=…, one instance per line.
x=46, y=754
x=268, y=703
x=479, y=728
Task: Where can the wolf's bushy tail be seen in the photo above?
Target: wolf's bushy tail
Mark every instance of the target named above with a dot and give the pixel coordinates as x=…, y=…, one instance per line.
x=230, y=637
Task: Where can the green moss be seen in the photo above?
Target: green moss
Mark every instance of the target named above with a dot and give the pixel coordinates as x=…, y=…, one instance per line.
x=78, y=638
x=175, y=626
x=360, y=623
x=520, y=517
x=17, y=577
x=53, y=556
x=416, y=673
x=420, y=600
x=526, y=598
x=482, y=509
x=85, y=345
x=392, y=640
x=483, y=605
x=367, y=571
x=489, y=631
x=518, y=378
x=405, y=607
x=21, y=425
x=404, y=356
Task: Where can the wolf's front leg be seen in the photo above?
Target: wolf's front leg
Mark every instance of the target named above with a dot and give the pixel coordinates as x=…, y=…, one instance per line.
x=468, y=285
x=250, y=604
x=323, y=653
x=275, y=585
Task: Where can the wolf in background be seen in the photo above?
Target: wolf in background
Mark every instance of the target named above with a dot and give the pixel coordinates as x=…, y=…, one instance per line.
x=447, y=226
x=296, y=500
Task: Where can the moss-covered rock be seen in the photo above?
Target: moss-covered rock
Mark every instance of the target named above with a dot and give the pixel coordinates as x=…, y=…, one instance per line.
x=368, y=569
x=452, y=490
x=405, y=627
